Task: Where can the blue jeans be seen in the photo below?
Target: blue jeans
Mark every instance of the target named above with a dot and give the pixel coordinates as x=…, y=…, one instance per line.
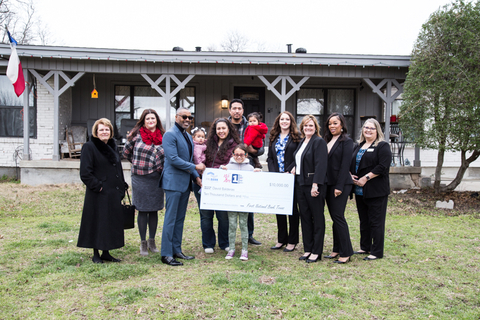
x=208, y=233
x=206, y=224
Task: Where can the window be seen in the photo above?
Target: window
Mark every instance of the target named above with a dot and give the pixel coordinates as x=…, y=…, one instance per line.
x=131, y=101
x=323, y=102
x=342, y=101
x=11, y=110
x=310, y=101
x=395, y=108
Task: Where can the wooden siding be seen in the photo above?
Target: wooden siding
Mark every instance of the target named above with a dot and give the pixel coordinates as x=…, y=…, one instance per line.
x=220, y=69
x=208, y=92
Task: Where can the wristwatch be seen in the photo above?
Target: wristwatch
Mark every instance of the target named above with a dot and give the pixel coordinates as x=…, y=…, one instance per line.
x=367, y=177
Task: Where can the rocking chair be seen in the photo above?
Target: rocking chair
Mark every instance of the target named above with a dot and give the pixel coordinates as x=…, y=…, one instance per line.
x=76, y=137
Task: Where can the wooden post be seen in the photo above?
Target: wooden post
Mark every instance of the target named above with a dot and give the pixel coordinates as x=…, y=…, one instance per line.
x=283, y=97
x=26, y=118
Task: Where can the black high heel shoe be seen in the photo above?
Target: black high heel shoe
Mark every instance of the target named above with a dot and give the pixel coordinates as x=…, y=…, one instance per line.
x=342, y=262
x=360, y=252
x=331, y=257
x=277, y=248
x=312, y=260
x=289, y=250
x=304, y=257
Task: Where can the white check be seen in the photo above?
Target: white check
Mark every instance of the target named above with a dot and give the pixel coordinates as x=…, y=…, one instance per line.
x=247, y=191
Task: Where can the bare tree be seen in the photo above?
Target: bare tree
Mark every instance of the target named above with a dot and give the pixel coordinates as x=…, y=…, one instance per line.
x=234, y=42
x=261, y=46
x=212, y=47
x=44, y=35
x=22, y=21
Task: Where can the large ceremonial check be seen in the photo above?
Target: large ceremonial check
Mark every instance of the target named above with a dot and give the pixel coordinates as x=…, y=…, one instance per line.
x=247, y=191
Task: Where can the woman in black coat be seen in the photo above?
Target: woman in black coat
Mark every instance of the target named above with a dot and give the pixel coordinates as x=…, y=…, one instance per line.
x=310, y=171
x=101, y=171
x=284, y=139
x=370, y=167
x=340, y=148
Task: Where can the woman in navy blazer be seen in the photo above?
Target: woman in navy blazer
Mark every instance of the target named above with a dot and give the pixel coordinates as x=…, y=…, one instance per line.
x=284, y=139
x=340, y=148
x=310, y=169
x=370, y=167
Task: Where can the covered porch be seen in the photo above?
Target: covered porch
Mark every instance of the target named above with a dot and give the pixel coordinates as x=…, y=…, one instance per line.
x=128, y=81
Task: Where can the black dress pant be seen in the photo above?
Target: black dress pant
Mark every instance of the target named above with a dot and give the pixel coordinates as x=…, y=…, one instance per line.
x=250, y=224
x=372, y=213
x=312, y=217
x=336, y=207
x=286, y=235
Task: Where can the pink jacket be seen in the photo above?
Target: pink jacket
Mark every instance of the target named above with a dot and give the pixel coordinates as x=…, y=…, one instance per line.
x=254, y=135
x=198, y=152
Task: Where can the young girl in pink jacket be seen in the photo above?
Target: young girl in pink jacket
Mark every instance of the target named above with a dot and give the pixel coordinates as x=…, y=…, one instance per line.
x=199, y=146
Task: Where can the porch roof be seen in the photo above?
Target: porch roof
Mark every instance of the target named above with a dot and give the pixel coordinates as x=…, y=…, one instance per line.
x=188, y=62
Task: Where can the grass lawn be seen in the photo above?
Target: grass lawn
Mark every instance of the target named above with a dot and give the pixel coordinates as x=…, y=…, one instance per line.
x=430, y=270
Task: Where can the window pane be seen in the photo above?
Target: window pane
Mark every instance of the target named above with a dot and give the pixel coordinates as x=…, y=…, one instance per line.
x=7, y=94
x=122, y=98
x=310, y=101
x=350, y=122
x=11, y=110
x=145, y=97
x=300, y=118
x=187, y=99
x=11, y=122
x=118, y=119
x=341, y=101
x=148, y=98
x=396, y=104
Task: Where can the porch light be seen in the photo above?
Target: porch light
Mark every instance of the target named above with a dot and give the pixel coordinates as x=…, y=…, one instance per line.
x=224, y=102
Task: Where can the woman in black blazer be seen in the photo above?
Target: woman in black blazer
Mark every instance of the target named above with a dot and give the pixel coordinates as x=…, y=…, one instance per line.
x=284, y=139
x=340, y=148
x=310, y=169
x=370, y=167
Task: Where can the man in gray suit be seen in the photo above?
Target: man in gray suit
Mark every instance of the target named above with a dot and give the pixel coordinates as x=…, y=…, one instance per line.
x=176, y=180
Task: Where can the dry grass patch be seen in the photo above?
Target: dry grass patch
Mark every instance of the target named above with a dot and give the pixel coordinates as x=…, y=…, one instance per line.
x=425, y=272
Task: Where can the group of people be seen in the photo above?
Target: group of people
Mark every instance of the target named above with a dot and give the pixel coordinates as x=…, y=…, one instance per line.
x=170, y=165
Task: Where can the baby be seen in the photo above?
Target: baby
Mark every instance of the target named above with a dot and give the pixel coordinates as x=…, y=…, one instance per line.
x=254, y=134
x=199, y=146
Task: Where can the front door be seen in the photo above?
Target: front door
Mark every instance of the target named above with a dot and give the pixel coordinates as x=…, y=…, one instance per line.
x=253, y=99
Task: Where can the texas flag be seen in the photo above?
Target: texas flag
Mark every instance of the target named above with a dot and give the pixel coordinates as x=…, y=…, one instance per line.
x=14, y=69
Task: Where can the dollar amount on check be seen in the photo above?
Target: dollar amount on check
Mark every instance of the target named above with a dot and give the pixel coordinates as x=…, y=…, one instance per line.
x=247, y=191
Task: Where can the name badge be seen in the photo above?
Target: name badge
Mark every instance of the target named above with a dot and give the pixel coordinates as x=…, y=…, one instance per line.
x=370, y=150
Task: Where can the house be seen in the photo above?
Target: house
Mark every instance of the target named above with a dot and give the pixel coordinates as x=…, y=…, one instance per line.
x=128, y=81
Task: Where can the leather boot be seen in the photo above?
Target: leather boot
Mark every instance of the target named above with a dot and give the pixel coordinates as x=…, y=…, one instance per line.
x=152, y=246
x=143, y=248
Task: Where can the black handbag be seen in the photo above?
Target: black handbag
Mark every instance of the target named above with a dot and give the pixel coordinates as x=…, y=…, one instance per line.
x=128, y=214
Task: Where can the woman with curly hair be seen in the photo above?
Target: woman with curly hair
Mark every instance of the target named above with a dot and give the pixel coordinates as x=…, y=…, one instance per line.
x=221, y=140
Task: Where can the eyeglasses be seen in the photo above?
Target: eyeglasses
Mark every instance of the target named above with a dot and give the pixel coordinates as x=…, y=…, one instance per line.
x=184, y=117
x=370, y=128
x=239, y=155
